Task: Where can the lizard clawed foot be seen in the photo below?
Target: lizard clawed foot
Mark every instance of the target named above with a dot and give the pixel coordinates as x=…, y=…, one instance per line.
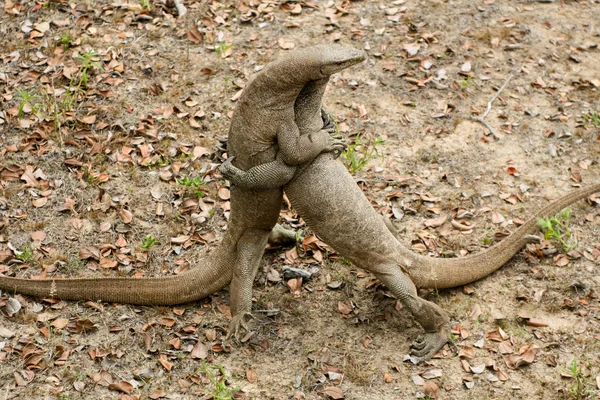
x=227, y=162
x=427, y=345
x=335, y=146
x=237, y=323
x=227, y=169
x=328, y=120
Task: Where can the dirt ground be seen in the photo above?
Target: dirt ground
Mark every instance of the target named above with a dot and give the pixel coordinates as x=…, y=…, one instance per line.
x=110, y=115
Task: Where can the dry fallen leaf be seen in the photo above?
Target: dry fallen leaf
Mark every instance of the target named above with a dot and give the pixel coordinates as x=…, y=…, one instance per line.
x=38, y=236
x=284, y=44
x=126, y=216
x=343, y=308
x=251, y=375
x=224, y=193
x=295, y=285
x=39, y=202
x=123, y=386
x=333, y=393
x=199, y=351
x=166, y=364
x=431, y=389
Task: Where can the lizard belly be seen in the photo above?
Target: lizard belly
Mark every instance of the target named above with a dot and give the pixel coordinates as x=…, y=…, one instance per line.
x=333, y=205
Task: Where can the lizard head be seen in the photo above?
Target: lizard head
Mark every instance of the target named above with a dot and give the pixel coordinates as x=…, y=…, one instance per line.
x=334, y=58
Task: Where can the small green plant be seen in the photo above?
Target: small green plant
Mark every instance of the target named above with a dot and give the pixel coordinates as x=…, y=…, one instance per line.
x=592, y=117
x=345, y=261
x=161, y=161
x=27, y=98
x=487, y=241
x=578, y=390
x=146, y=5
x=62, y=396
x=26, y=254
x=358, y=154
x=465, y=82
x=557, y=228
x=193, y=183
x=217, y=376
x=147, y=242
x=90, y=178
x=88, y=62
x=65, y=40
x=221, y=48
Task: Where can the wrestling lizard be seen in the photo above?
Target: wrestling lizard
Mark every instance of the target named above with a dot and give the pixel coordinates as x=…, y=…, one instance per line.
x=328, y=199
x=263, y=129
x=331, y=203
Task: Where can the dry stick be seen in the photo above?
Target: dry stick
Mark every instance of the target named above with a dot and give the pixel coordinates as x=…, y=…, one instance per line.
x=489, y=107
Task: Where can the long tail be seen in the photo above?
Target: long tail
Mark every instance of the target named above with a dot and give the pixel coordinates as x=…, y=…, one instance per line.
x=427, y=272
x=212, y=275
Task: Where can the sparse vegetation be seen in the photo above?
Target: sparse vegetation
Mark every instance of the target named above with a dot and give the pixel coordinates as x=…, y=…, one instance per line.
x=89, y=62
x=592, y=117
x=222, y=47
x=26, y=254
x=65, y=40
x=487, y=241
x=579, y=389
x=28, y=98
x=557, y=228
x=464, y=83
x=148, y=242
x=193, y=183
x=218, y=388
x=360, y=152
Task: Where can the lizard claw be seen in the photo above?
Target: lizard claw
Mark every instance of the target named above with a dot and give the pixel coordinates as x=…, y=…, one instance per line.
x=237, y=323
x=227, y=163
x=328, y=120
x=426, y=346
x=532, y=239
x=227, y=169
x=336, y=147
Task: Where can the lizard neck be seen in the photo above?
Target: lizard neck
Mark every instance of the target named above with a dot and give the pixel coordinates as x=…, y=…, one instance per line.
x=278, y=84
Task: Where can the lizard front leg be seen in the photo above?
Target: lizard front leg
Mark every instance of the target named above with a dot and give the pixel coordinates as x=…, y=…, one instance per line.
x=269, y=175
x=296, y=149
x=336, y=142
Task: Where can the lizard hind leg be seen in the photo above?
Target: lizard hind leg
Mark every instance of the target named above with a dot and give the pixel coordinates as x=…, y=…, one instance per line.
x=429, y=315
x=250, y=248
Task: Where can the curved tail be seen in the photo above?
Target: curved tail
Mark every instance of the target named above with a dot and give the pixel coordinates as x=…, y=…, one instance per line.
x=195, y=284
x=436, y=273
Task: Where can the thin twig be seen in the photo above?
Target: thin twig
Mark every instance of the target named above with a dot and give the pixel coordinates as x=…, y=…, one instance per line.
x=483, y=121
x=489, y=107
x=489, y=104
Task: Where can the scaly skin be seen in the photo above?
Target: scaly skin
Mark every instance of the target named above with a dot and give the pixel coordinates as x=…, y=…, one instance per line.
x=262, y=130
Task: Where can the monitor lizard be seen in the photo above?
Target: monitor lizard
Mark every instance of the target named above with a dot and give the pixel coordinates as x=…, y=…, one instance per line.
x=336, y=209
